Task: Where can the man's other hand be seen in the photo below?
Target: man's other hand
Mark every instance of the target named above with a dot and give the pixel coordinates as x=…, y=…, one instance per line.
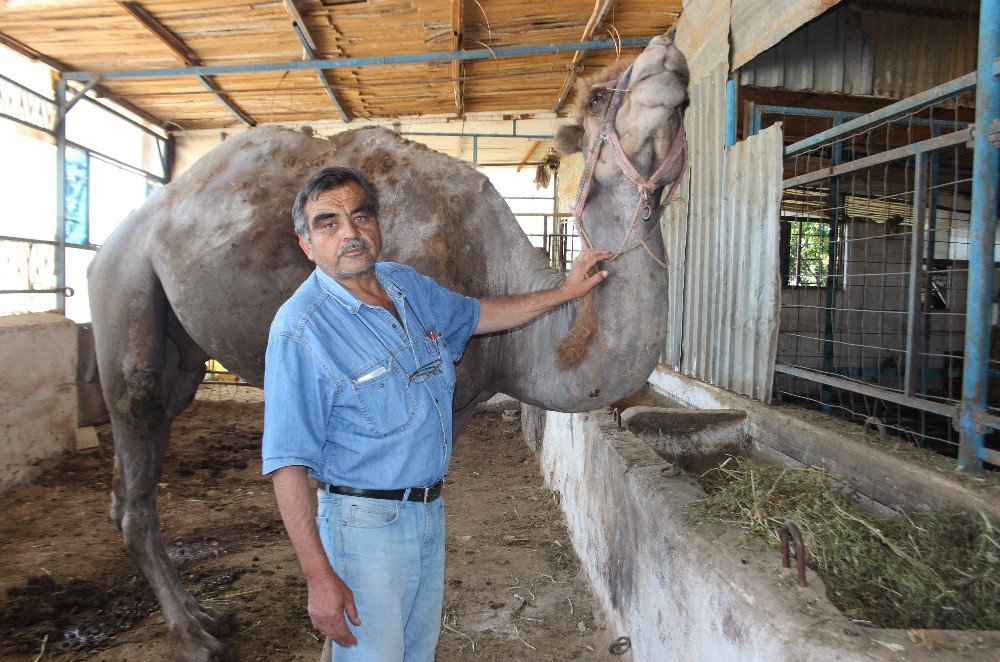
x=329, y=600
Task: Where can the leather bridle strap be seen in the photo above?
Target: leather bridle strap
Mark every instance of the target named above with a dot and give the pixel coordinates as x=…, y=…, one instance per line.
x=678, y=150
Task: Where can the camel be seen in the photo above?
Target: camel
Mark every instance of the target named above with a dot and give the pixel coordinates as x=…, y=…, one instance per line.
x=201, y=268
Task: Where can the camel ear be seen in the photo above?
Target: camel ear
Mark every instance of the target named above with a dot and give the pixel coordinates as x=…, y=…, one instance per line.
x=568, y=140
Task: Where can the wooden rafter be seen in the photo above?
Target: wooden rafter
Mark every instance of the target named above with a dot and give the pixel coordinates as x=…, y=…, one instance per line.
x=527, y=156
x=309, y=46
x=593, y=25
x=181, y=51
x=457, y=66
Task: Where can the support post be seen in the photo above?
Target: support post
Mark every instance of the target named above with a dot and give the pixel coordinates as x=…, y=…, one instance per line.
x=730, y=112
x=914, y=310
x=985, y=162
x=60, y=248
x=829, y=317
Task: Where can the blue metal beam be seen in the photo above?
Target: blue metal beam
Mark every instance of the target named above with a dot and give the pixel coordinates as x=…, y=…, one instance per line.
x=456, y=134
x=300, y=65
x=60, y=249
x=323, y=80
x=226, y=101
x=730, y=112
x=982, y=238
x=891, y=112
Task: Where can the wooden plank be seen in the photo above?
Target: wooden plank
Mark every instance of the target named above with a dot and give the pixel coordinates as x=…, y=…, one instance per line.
x=527, y=156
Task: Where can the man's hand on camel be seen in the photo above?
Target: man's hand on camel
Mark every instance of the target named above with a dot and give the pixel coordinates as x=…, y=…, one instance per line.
x=328, y=602
x=578, y=283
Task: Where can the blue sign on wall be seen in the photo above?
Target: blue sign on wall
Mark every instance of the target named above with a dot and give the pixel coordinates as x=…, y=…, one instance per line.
x=77, y=189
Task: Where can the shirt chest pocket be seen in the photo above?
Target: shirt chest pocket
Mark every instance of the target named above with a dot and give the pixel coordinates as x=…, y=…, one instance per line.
x=384, y=398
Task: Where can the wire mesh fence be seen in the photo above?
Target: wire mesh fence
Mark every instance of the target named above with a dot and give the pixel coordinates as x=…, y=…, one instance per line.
x=874, y=267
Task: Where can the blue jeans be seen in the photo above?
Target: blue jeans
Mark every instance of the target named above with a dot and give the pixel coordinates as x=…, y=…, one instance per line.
x=391, y=555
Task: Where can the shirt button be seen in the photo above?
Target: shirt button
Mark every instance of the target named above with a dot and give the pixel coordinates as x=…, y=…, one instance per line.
x=394, y=326
x=436, y=400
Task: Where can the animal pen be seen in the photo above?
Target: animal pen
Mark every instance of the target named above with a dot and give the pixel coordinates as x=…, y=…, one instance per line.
x=875, y=235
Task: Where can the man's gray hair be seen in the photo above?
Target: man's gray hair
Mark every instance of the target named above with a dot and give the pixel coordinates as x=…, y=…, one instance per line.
x=324, y=180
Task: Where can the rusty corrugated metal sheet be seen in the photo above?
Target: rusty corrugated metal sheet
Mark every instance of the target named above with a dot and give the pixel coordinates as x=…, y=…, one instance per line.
x=863, y=50
x=723, y=242
x=831, y=54
x=914, y=53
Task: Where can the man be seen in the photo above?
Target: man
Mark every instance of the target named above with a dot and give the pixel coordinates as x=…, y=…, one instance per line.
x=358, y=395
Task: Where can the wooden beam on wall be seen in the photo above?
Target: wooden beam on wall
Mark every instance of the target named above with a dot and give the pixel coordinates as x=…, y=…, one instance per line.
x=176, y=46
x=593, y=25
x=309, y=46
x=457, y=66
x=527, y=156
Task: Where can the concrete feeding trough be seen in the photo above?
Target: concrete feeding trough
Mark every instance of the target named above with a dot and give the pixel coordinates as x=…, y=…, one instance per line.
x=695, y=440
x=680, y=591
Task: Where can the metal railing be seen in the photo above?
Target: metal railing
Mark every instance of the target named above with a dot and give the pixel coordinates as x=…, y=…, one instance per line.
x=879, y=266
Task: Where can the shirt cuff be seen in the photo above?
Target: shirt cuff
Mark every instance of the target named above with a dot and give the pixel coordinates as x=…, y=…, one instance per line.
x=472, y=330
x=272, y=464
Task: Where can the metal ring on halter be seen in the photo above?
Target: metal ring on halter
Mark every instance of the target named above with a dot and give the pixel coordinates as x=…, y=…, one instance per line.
x=647, y=211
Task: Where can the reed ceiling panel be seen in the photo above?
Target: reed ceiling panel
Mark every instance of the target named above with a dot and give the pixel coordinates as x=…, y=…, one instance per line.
x=102, y=35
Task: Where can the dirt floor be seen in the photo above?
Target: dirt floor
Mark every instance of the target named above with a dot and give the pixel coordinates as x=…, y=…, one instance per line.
x=69, y=590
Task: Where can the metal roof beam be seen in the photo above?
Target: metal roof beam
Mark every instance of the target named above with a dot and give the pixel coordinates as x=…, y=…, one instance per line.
x=379, y=60
x=180, y=50
x=309, y=46
x=457, y=67
x=593, y=25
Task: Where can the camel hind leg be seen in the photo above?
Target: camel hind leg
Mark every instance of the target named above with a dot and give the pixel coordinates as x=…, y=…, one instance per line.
x=146, y=388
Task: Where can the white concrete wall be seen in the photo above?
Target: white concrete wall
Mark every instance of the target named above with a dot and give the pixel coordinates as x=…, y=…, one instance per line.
x=685, y=592
x=38, y=399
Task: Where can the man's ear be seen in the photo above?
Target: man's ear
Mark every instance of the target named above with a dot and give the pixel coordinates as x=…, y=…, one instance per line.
x=568, y=140
x=306, y=246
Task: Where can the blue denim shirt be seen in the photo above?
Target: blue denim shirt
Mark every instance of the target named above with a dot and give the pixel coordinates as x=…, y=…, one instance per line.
x=338, y=394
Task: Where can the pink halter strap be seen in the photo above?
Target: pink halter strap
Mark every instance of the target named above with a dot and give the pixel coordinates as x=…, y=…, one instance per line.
x=678, y=150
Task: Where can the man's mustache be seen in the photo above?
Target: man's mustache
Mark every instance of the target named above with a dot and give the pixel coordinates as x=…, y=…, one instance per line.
x=355, y=243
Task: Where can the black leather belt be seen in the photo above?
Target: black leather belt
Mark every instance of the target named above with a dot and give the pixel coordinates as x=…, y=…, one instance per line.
x=422, y=494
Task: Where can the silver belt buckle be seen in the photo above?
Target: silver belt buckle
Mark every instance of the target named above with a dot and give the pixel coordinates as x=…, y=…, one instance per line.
x=427, y=492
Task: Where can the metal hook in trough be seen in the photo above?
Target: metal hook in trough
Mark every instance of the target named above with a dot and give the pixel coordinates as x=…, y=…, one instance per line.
x=620, y=646
x=617, y=415
x=800, y=550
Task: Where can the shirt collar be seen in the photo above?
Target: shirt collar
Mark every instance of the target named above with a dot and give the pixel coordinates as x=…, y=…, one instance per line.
x=344, y=297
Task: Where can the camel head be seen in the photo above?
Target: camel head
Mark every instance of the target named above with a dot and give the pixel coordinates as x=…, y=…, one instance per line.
x=650, y=111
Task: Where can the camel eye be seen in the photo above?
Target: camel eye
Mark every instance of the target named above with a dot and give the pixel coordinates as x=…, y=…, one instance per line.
x=595, y=100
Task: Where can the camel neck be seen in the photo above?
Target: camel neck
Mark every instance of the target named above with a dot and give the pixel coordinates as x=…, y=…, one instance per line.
x=586, y=354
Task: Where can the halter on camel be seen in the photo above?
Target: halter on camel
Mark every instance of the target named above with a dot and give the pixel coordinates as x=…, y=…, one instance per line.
x=607, y=133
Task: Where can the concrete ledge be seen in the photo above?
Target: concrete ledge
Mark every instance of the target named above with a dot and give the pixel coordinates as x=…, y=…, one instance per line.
x=907, y=479
x=38, y=400
x=682, y=592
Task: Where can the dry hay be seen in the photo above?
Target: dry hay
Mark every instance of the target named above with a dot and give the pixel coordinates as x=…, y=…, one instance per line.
x=932, y=569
